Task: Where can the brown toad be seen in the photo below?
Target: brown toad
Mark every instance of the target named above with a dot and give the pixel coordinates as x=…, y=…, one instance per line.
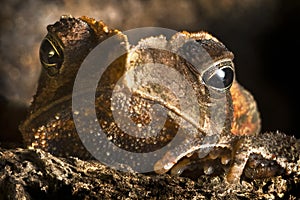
x=190, y=76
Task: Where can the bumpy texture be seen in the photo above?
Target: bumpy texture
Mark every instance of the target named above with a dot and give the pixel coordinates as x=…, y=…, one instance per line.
x=226, y=144
x=35, y=174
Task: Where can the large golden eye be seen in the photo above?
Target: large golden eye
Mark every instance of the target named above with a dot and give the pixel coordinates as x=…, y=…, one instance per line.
x=219, y=76
x=51, y=55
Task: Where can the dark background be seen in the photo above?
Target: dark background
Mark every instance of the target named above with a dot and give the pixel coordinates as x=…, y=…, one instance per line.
x=263, y=35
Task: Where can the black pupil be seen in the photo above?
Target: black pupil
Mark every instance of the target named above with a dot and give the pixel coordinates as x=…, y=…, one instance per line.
x=48, y=54
x=221, y=78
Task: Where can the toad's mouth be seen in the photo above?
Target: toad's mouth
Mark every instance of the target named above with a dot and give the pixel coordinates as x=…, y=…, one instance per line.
x=190, y=116
x=175, y=110
x=193, y=153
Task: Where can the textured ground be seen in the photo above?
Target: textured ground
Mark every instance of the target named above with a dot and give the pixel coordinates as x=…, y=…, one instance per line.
x=29, y=174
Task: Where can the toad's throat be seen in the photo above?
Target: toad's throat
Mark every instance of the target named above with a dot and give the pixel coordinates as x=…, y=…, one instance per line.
x=43, y=110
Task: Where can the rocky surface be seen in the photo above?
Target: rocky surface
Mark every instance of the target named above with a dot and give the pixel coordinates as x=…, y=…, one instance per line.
x=35, y=174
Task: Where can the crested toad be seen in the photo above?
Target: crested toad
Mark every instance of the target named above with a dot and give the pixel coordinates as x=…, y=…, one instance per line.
x=214, y=120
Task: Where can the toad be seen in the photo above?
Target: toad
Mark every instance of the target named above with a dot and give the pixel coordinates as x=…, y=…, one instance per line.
x=176, y=93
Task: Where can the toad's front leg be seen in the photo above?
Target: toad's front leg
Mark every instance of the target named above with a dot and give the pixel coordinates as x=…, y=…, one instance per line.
x=241, y=155
x=264, y=156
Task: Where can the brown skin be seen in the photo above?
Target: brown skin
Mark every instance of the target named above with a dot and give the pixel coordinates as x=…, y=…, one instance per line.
x=50, y=126
x=52, y=102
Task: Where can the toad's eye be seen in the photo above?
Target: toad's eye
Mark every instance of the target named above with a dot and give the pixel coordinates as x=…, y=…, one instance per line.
x=51, y=56
x=219, y=77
